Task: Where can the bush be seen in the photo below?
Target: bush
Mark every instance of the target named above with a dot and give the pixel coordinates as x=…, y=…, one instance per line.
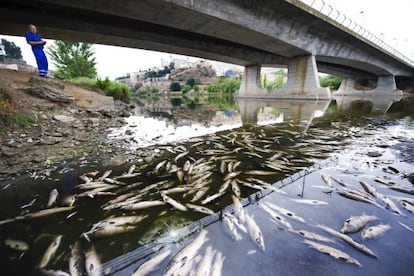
x=224, y=85
x=23, y=119
x=186, y=88
x=175, y=86
x=84, y=81
x=333, y=82
x=191, y=82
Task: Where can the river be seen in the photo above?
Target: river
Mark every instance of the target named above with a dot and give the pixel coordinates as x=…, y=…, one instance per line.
x=212, y=149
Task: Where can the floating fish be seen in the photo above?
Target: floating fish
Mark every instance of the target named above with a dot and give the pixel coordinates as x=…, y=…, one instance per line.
x=349, y=241
x=142, y=205
x=368, y=188
x=114, y=226
x=186, y=253
x=407, y=206
x=238, y=209
x=390, y=204
x=327, y=179
x=309, y=201
x=52, y=272
x=92, y=263
x=52, y=197
x=217, y=264
x=235, y=188
x=76, y=260
x=152, y=264
x=200, y=209
x=333, y=252
x=205, y=265
x=278, y=218
x=402, y=189
x=181, y=155
x=173, y=202
x=230, y=227
x=375, y=232
x=50, y=251
x=263, y=173
x=212, y=198
x=16, y=244
x=356, y=223
x=285, y=212
x=231, y=175
x=311, y=236
x=255, y=232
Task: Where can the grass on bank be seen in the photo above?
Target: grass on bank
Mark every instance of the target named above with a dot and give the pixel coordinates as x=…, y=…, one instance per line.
x=10, y=116
x=118, y=91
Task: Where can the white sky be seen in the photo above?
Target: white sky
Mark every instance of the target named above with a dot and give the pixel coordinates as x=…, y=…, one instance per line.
x=391, y=20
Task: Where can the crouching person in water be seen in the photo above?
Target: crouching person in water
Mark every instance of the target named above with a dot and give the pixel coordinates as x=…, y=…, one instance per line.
x=37, y=43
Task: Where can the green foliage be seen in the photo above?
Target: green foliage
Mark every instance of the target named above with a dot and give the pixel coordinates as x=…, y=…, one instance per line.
x=191, y=82
x=118, y=91
x=10, y=116
x=186, y=88
x=73, y=59
x=333, y=82
x=224, y=85
x=23, y=119
x=12, y=51
x=278, y=82
x=175, y=86
x=196, y=88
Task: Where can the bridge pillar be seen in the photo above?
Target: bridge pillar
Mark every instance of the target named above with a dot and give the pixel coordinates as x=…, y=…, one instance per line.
x=386, y=86
x=250, y=84
x=303, y=80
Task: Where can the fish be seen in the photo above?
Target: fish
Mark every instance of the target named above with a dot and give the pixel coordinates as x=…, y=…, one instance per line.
x=364, y=249
x=125, y=176
x=309, y=201
x=390, y=204
x=186, y=253
x=225, y=186
x=152, y=264
x=52, y=197
x=92, y=173
x=189, y=267
x=238, y=209
x=358, y=197
x=85, y=179
x=204, y=267
x=311, y=236
x=333, y=252
x=113, y=181
x=105, y=174
x=16, y=244
x=92, y=262
x=375, y=232
x=285, y=212
x=52, y=272
x=368, y=188
x=187, y=166
x=113, y=226
x=142, y=205
x=402, y=189
x=159, y=166
x=131, y=169
x=217, y=264
x=235, y=188
x=254, y=232
x=180, y=176
x=199, y=194
x=327, y=179
x=50, y=251
x=278, y=218
x=68, y=200
x=251, y=185
x=212, y=198
x=230, y=227
x=231, y=175
x=28, y=204
x=76, y=260
x=200, y=209
x=173, y=202
x=181, y=155
x=355, y=223
x=263, y=173
x=407, y=206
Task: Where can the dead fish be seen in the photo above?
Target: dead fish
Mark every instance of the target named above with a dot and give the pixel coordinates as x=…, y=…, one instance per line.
x=230, y=227
x=152, y=264
x=311, y=236
x=92, y=173
x=68, y=200
x=309, y=201
x=235, y=188
x=76, y=260
x=368, y=188
x=356, y=223
x=217, y=264
x=205, y=264
x=231, y=175
x=142, y=205
x=263, y=173
x=50, y=251
x=180, y=176
x=28, y=204
x=339, y=181
x=355, y=196
x=92, y=262
x=126, y=176
x=173, y=202
x=186, y=253
x=85, y=179
x=16, y=244
x=113, y=181
x=105, y=174
x=333, y=252
x=254, y=232
x=390, y=204
x=349, y=241
x=199, y=194
x=131, y=169
x=159, y=166
x=52, y=197
x=52, y=272
x=212, y=198
x=402, y=189
x=200, y=209
x=327, y=179
x=407, y=206
x=181, y=155
x=238, y=209
x=113, y=226
x=285, y=212
x=278, y=218
x=251, y=185
x=375, y=232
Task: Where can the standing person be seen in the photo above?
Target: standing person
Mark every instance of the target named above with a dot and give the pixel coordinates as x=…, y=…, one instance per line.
x=37, y=43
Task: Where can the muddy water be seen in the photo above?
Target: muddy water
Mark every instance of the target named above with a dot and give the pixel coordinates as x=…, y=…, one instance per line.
x=277, y=139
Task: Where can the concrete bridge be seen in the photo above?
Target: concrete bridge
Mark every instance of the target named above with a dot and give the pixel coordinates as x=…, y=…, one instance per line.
x=278, y=33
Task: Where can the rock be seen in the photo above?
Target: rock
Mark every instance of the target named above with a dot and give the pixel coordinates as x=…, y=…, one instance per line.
x=64, y=118
x=374, y=154
x=49, y=89
x=29, y=140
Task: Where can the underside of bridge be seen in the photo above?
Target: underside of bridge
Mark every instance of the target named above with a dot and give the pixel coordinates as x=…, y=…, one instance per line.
x=249, y=33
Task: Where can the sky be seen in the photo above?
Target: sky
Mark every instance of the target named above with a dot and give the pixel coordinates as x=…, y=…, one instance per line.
x=390, y=20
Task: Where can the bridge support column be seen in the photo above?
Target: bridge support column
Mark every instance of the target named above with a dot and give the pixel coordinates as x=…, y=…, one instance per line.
x=250, y=85
x=303, y=80
x=385, y=86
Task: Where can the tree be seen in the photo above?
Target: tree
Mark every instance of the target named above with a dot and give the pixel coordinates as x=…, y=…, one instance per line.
x=73, y=59
x=12, y=51
x=191, y=82
x=175, y=86
x=333, y=82
x=171, y=66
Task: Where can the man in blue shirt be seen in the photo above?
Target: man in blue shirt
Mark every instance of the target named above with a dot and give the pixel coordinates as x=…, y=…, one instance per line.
x=37, y=43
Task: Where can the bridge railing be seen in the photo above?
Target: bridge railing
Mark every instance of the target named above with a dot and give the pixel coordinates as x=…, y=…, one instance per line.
x=344, y=20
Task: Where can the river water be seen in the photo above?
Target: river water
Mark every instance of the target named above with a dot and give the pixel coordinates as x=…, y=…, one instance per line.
x=200, y=144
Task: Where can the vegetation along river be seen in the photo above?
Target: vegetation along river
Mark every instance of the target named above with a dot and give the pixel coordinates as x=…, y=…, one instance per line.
x=300, y=169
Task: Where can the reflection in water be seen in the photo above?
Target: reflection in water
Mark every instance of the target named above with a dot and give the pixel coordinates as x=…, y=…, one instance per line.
x=276, y=140
x=366, y=105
